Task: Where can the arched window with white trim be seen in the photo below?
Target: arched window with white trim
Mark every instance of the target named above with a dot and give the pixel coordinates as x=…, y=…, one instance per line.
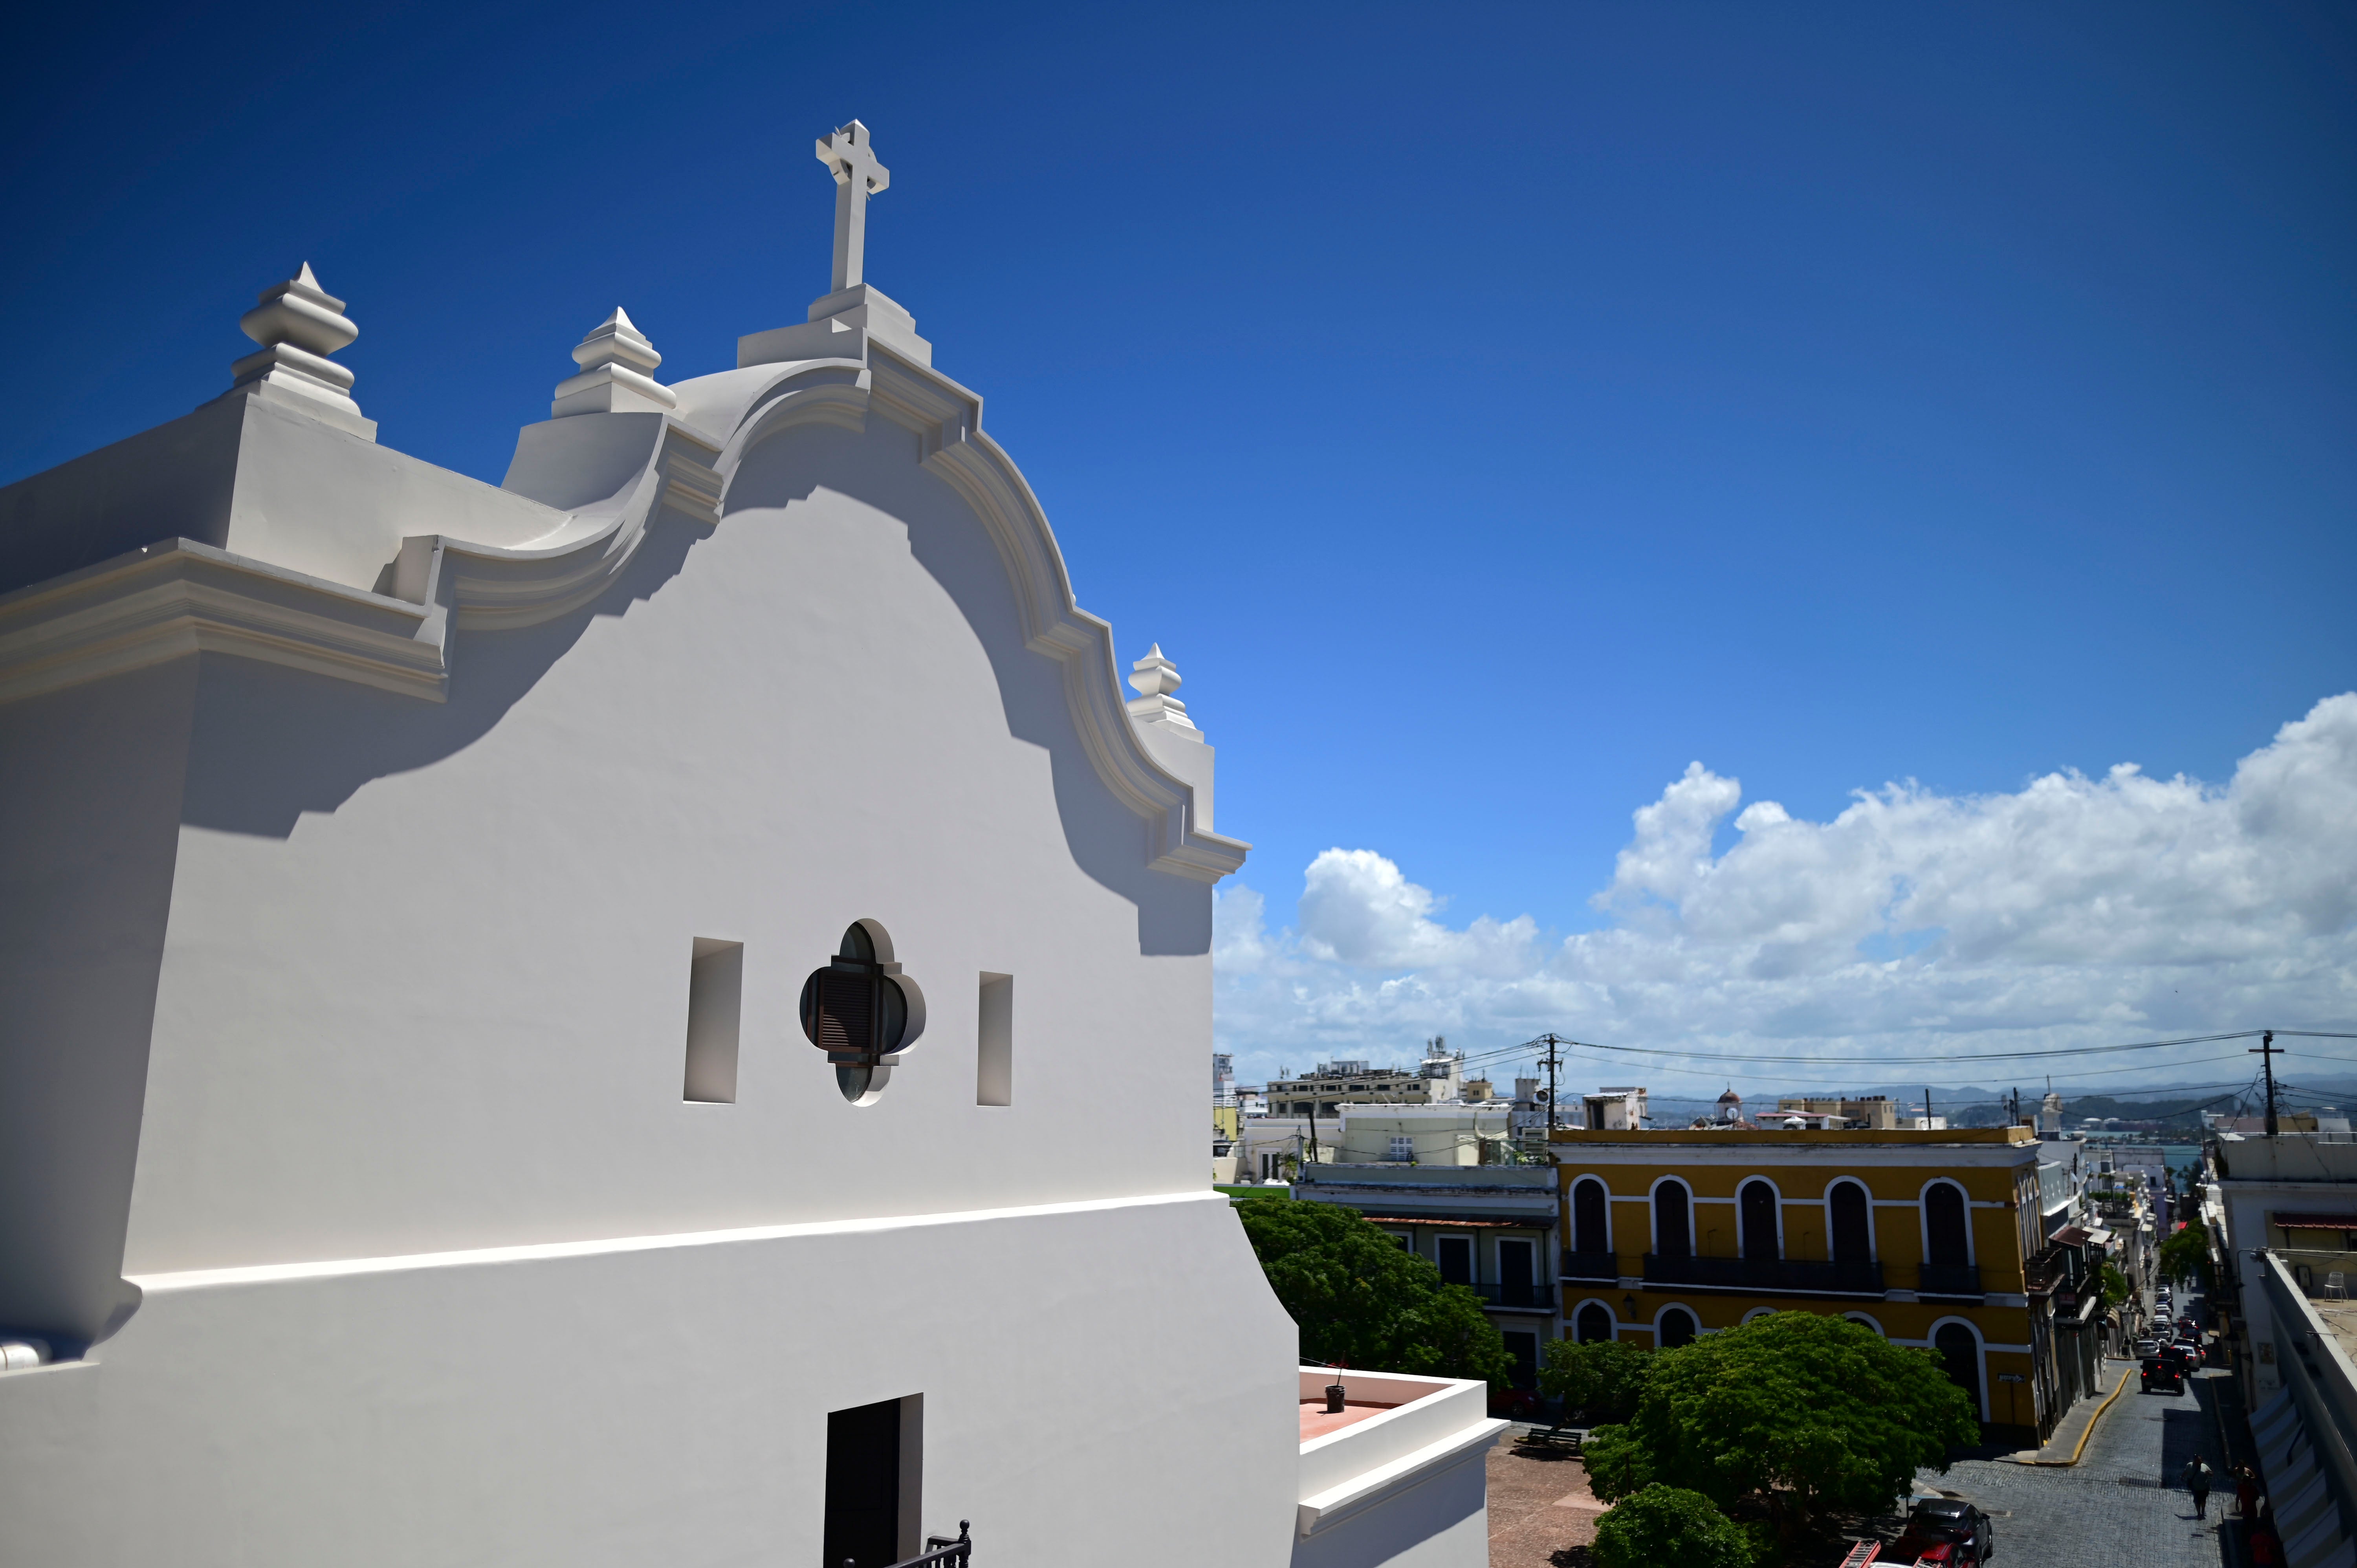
x=1673, y=1219
x=1675, y=1326
x=1947, y=1235
x=1591, y=1217
x=1755, y=1207
x=1850, y=1223
x=1594, y=1324
x=1959, y=1350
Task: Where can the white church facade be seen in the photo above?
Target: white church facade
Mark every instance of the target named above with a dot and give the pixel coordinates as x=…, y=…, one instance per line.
x=532, y=1011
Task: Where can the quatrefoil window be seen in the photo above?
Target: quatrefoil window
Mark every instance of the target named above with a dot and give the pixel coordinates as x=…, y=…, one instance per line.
x=860, y=1009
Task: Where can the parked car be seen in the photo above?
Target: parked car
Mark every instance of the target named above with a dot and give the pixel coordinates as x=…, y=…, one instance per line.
x=2162, y=1375
x=1949, y=1532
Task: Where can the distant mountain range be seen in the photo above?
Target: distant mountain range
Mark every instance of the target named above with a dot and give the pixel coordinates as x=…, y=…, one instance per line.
x=1971, y=1105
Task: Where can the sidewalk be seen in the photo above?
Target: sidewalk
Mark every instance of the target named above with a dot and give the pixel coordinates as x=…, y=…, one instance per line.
x=2070, y=1433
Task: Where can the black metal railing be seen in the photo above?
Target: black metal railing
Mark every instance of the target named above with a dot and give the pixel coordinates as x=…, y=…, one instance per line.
x=1592, y=1265
x=939, y=1551
x=1816, y=1277
x=1950, y=1279
x=2044, y=1273
x=1536, y=1293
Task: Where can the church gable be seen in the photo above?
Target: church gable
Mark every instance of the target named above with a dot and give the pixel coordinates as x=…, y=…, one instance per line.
x=515, y=820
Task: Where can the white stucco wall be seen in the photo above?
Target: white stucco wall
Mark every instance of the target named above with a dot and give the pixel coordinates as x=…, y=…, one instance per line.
x=668, y=1406
x=327, y=976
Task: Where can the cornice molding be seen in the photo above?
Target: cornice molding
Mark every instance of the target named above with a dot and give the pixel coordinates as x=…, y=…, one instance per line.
x=179, y=598
x=171, y=599
x=948, y=420
x=484, y=587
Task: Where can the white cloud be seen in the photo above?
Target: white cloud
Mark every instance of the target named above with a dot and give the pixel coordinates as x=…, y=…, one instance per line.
x=2076, y=911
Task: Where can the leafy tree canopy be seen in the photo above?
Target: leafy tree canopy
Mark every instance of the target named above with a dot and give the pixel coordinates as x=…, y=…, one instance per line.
x=2186, y=1256
x=1604, y=1378
x=1669, y=1527
x=1363, y=1301
x=1808, y=1412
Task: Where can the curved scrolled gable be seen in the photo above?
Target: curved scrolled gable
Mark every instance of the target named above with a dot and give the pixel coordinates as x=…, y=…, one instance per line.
x=947, y=420
x=179, y=598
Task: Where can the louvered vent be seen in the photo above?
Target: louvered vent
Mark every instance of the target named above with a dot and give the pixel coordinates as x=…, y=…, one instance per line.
x=846, y=1010
x=856, y=1012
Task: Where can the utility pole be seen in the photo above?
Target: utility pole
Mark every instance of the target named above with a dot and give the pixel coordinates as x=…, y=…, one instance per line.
x=1553, y=1060
x=2266, y=1052
x=1927, y=1108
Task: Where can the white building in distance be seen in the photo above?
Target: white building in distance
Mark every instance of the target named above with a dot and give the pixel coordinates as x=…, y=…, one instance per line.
x=533, y=1009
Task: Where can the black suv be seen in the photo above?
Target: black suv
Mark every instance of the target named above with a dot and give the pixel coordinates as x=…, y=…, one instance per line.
x=1945, y=1530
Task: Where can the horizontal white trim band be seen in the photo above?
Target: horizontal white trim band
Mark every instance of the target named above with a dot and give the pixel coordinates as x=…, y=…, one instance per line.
x=272, y=1273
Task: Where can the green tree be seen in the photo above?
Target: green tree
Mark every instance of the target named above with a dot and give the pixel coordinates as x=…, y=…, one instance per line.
x=1604, y=1378
x=1801, y=1412
x=1669, y=1527
x=2114, y=1285
x=2186, y=1256
x=1362, y=1301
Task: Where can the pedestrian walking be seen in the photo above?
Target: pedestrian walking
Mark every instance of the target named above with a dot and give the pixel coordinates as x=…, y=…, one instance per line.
x=2246, y=1490
x=2196, y=1476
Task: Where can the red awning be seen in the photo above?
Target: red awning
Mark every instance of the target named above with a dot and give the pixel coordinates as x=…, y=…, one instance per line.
x=2317, y=1221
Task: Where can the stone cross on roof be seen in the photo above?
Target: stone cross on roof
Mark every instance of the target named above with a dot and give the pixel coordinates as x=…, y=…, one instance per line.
x=850, y=157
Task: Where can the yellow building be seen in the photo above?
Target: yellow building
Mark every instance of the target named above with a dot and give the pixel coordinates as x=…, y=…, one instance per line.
x=1921, y=1236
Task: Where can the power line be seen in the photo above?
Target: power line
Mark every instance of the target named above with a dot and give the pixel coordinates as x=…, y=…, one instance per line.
x=1889, y=1061
x=1536, y=1050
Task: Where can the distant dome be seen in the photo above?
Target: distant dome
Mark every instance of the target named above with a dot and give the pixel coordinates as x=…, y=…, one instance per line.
x=1730, y=1097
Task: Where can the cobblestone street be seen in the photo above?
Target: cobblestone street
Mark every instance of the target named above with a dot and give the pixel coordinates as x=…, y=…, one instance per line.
x=2121, y=1507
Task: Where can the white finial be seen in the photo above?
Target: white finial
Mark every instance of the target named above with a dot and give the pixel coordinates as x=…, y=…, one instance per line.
x=298, y=325
x=615, y=360
x=1154, y=677
x=851, y=157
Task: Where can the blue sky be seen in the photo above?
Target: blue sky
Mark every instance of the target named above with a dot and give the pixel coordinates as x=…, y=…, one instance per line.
x=1492, y=411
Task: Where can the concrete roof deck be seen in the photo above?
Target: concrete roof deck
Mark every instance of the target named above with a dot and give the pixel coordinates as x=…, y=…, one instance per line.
x=1316, y=1422
x=2341, y=1317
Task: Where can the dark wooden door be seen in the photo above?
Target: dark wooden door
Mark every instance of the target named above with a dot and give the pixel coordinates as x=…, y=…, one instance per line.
x=863, y=1486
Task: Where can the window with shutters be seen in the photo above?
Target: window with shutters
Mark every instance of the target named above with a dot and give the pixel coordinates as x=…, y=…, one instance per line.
x=1672, y=1231
x=1851, y=1225
x=1946, y=1233
x=1590, y=1232
x=860, y=1009
x=1756, y=1212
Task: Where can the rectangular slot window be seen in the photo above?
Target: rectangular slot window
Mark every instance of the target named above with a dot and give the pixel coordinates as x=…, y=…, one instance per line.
x=874, y=1479
x=994, y=1076
x=715, y=985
